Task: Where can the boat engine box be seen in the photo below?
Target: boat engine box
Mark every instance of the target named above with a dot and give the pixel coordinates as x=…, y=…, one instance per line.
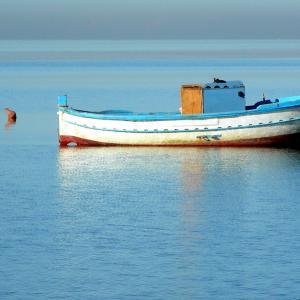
x=215, y=97
x=223, y=96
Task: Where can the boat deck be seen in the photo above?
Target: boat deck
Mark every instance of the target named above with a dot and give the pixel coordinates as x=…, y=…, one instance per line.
x=124, y=115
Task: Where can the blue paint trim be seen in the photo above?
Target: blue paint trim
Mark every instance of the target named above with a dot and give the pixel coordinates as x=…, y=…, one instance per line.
x=187, y=130
x=62, y=101
x=265, y=109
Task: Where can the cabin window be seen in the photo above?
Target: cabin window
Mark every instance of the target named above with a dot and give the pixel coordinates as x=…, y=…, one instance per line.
x=241, y=94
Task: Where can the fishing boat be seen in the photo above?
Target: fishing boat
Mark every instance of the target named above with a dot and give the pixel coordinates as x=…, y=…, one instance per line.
x=211, y=114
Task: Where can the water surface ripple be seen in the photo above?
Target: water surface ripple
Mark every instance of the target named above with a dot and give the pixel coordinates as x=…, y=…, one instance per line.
x=143, y=223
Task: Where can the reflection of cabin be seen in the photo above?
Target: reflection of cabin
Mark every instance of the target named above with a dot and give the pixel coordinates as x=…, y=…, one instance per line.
x=212, y=97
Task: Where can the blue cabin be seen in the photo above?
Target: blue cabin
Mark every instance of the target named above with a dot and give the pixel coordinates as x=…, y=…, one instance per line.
x=214, y=97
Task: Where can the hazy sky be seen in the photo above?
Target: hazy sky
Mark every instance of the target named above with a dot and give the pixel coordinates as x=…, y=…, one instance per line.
x=151, y=19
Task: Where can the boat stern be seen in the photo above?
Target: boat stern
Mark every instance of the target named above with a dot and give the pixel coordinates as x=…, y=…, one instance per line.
x=62, y=103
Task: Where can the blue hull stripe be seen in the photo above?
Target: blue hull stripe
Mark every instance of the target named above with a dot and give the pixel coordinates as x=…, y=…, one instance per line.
x=286, y=122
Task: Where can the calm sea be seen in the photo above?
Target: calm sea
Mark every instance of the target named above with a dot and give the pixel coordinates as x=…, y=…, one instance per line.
x=140, y=223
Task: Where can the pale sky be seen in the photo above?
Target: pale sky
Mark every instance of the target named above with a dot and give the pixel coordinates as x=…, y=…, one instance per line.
x=155, y=19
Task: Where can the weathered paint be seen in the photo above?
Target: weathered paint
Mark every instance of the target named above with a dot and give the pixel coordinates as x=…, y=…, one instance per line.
x=191, y=99
x=205, y=129
x=258, y=127
x=282, y=140
x=213, y=135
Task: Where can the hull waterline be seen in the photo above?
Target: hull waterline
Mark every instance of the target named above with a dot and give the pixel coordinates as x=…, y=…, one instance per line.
x=291, y=140
x=276, y=127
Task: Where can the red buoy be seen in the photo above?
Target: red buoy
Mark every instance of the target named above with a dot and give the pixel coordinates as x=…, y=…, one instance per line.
x=11, y=115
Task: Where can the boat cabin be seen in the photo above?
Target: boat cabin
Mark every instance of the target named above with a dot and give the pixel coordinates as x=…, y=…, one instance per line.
x=215, y=97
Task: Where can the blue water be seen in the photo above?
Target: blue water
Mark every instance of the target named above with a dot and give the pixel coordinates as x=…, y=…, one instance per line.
x=141, y=223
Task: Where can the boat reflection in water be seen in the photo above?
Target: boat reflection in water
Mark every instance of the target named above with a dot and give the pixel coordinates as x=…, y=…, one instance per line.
x=200, y=215
x=178, y=171
x=9, y=124
x=196, y=179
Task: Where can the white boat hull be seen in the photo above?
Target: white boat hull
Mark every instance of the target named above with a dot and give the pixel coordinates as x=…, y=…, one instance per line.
x=252, y=129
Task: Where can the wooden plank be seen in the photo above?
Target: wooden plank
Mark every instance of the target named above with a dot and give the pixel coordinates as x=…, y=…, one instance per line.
x=191, y=99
